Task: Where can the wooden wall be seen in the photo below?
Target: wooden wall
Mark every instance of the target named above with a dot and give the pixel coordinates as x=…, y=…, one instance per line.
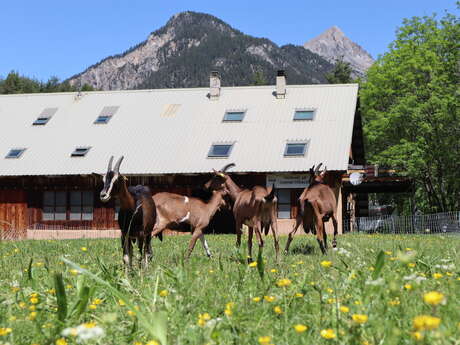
x=13, y=213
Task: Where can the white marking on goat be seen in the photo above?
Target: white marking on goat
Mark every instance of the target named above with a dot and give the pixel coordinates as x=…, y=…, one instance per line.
x=186, y=199
x=185, y=218
x=205, y=245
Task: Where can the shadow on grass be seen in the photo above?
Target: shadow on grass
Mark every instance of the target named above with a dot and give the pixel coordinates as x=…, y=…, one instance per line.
x=304, y=249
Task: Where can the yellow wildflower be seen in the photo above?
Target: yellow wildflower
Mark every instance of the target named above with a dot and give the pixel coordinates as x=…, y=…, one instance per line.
x=433, y=297
x=437, y=275
x=407, y=286
x=97, y=301
x=74, y=272
x=61, y=341
x=92, y=306
x=344, y=309
x=411, y=264
x=152, y=342
x=33, y=300
x=273, y=270
x=450, y=274
x=91, y=324
x=5, y=331
x=256, y=299
x=84, y=249
x=121, y=302
x=22, y=304
x=417, y=335
x=32, y=308
x=253, y=264
x=326, y=264
x=278, y=310
x=387, y=252
x=283, y=282
x=164, y=293
x=15, y=289
x=131, y=313
x=32, y=315
x=328, y=333
x=298, y=294
x=300, y=328
x=265, y=340
x=426, y=322
x=51, y=291
x=394, y=302
x=269, y=298
x=358, y=302
x=359, y=318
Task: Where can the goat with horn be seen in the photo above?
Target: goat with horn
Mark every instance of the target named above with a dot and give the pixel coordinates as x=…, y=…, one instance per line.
x=137, y=214
x=254, y=207
x=317, y=204
x=174, y=209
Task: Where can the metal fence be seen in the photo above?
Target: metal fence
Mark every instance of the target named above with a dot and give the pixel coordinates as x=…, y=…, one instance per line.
x=436, y=223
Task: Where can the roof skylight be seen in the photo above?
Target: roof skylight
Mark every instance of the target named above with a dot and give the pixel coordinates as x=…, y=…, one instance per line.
x=80, y=151
x=15, y=153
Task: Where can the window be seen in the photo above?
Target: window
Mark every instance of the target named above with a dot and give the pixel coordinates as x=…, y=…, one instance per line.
x=284, y=203
x=220, y=150
x=80, y=152
x=54, y=205
x=105, y=115
x=295, y=149
x=302, y=115
x=45, y=116
x=15, y=153
x=234, y=116
x=81, y=205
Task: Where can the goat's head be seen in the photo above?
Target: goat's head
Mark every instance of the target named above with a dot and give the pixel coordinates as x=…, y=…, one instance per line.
x=316, y=175
x=223, y=192
x=112, y=180
x=218, y=178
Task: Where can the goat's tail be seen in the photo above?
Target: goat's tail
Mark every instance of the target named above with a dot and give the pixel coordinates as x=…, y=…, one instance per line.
x=270, y=195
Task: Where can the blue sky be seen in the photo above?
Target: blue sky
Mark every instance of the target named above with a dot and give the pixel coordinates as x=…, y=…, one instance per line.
x=49, y=37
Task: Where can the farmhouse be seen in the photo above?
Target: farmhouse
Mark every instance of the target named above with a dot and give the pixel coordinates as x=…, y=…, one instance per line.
x=50, y=144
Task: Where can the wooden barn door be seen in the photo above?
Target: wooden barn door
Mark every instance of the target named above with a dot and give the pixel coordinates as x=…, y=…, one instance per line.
x=13, y=214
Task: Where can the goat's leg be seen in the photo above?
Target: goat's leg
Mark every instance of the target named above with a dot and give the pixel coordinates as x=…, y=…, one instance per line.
x=195, y=235
x=298, y=221
x=259, y=236
x=140, y=245
x=205, y=246
x=324, y=235
x=125, y=244
x=239, y=232
x=334, y=222
x=250, y=235
x=319, y=228
x=274, y=226
x=148, y=246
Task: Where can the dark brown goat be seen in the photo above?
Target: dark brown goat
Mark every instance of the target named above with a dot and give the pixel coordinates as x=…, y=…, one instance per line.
x=254, y=207
x=174, y=209
x=137, y=214
x=317, y=205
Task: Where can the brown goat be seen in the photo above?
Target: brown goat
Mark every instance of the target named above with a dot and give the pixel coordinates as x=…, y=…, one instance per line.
x=317, y=205
x=137, y=212
x=173, y=209
x=254, y=207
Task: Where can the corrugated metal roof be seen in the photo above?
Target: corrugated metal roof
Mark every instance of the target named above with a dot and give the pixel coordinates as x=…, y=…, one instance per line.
x=153, y=143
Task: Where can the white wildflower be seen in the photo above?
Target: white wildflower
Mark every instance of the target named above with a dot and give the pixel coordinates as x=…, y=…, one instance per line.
x=414, y=277
x=84, y=332
x=449, y=267
x=343, y=251
x=377, y=282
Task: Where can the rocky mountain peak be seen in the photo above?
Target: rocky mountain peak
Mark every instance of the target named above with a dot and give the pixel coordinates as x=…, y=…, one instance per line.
x=333, y=45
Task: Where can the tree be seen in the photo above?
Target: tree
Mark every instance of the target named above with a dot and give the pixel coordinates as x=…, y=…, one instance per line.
x=410, y=105
x=341, y=74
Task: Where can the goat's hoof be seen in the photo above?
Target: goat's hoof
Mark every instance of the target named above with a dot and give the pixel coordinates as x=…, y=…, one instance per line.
x=334, y=244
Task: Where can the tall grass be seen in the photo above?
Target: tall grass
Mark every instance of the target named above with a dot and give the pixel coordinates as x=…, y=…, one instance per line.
x=367, y=292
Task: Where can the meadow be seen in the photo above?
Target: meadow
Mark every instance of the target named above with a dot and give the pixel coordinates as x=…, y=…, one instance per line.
x=375, y=289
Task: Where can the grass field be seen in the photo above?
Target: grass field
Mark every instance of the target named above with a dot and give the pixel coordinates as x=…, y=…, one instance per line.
x=379, y=289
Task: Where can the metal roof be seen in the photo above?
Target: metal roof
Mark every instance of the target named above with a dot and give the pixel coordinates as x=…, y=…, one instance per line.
x=171, y=130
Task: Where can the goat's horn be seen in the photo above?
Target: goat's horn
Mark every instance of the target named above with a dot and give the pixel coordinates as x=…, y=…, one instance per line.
x=228, y=166
x=317, y=168
x=109, y=169
x=117, y=165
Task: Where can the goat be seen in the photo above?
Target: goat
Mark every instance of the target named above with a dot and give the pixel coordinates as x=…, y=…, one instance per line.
x=173, y=209
x=254, y=207
x=137, y=214
x=317, y=205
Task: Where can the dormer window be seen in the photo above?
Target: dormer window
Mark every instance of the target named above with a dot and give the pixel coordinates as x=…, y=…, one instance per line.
x=304, y=115
x=80, y=151
x=45, y=116
x=234, y=116
x=105, y=115
x=15, y=153
x=295, y=149
x=220, y=150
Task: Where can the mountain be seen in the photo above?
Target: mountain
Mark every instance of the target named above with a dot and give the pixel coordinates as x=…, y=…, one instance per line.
x=332, y=44
x=184, y=51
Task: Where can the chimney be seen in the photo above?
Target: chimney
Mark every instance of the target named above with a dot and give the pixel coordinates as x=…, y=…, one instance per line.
x=281, y=84
x=214, y=85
